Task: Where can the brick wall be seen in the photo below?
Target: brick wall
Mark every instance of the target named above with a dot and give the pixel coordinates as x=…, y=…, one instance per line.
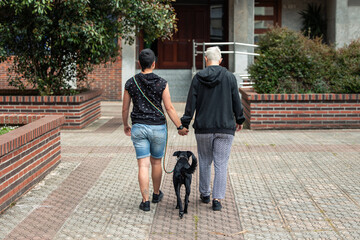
x=290, y=111
x=4, y=75
x=79, y=110
x=103, y=77
x=108, y=78
x=27, y=154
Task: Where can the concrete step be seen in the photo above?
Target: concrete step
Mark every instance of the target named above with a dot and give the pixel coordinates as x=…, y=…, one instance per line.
x=179, y=82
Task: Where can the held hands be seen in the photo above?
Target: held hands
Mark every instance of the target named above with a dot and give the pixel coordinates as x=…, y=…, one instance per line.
x=183, y=132
x=127, y=131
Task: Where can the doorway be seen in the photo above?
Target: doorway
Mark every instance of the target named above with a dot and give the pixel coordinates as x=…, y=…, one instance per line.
x=201, y=20
x=193, y=23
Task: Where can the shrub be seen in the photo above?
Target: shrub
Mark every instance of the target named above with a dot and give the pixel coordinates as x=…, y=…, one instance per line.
x=346, y=73
x=292, y=63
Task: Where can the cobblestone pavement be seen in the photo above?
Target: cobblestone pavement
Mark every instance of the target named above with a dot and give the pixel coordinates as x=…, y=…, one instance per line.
x=282, y=185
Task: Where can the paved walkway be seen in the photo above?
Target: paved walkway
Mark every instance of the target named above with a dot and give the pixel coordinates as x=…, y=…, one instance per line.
x=282, y=185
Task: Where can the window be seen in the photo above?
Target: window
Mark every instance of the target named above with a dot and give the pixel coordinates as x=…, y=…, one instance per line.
x=216, y=23
x=267, y=13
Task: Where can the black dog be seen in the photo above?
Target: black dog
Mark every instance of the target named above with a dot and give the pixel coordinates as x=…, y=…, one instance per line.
x=183, y=175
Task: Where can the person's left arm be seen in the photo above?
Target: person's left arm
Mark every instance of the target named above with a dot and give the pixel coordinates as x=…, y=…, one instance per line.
x=171, y=110
x=236, y=103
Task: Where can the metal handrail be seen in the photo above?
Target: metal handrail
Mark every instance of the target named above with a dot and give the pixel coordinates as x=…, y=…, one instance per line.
x=227, y=43
x=203, y=44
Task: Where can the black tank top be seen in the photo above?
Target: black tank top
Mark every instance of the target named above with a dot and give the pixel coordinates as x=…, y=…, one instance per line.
x=152, y=86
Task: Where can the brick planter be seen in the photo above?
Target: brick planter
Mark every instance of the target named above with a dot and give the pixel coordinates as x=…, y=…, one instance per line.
x=27, y=154
x=79, y=110
x=300, y=111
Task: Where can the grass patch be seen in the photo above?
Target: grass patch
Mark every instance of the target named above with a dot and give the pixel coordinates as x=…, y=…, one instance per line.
x=6, y=129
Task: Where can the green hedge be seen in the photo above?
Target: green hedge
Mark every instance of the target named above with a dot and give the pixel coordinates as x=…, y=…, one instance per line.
x=292, y=63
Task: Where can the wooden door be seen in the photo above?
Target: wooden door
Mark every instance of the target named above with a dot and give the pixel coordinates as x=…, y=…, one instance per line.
x=193, y=23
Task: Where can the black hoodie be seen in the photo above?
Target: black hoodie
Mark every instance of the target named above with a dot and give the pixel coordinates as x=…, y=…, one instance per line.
x=214, y=95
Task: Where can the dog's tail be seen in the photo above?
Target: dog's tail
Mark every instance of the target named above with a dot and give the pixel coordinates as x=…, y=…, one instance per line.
x=193, y=165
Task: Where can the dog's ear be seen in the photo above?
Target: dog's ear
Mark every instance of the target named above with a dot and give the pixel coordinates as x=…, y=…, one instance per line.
x=177, y=153
x=189, y=154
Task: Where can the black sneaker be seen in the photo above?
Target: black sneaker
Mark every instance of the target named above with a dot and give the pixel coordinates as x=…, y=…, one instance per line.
x=216, y=205
x=205, y=199
x=157, y=197
x=145, y=206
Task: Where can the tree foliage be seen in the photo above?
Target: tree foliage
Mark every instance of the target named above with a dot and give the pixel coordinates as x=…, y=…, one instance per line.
x=50, y=40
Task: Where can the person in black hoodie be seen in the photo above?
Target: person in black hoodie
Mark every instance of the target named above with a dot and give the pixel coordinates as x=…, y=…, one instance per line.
x=214, y=98
x=148, y=131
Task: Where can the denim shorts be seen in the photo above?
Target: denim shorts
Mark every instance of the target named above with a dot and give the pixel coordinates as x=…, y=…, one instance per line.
x=149, y=140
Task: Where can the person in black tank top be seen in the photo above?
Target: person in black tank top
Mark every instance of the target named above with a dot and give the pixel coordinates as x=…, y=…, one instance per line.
x=148, y=131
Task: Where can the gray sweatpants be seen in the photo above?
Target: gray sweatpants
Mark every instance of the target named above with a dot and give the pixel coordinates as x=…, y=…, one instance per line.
x=214, y=147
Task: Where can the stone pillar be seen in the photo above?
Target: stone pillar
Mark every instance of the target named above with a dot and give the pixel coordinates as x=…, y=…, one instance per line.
x=331, y=19
x=241, y=29
x=354, y=20
x=341, y=23
x=128, y=53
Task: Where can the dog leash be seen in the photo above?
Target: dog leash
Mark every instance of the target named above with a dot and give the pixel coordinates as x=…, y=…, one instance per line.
x=167, y=132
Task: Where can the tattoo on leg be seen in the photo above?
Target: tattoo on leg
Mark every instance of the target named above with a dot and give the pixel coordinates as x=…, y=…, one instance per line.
x=145, y=192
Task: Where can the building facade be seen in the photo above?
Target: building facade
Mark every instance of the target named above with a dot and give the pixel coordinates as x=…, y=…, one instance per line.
x=240, y=21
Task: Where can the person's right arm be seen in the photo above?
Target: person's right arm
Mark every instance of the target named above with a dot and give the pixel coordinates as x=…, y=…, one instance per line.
x=125, y=113
x=171, y=110
x=190, y=105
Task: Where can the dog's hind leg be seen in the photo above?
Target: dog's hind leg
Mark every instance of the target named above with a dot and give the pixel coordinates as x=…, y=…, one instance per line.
x=187, y=194
x=179, y=203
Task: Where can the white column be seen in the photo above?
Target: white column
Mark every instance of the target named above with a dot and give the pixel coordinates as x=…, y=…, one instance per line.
x=341, y=23
x=241, y=29
x=128, y=53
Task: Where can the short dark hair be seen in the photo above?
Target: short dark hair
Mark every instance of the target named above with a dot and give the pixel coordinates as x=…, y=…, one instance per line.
x=146, y=58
